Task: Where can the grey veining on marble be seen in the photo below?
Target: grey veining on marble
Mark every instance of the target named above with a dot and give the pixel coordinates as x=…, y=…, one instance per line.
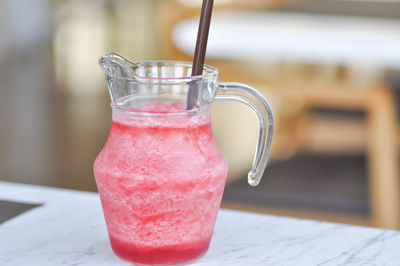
x=69, y=229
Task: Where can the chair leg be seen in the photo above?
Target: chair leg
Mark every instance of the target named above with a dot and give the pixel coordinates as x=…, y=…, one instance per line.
x=383, y=162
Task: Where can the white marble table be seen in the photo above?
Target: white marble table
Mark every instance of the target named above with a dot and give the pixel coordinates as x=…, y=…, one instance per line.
x=69, y=229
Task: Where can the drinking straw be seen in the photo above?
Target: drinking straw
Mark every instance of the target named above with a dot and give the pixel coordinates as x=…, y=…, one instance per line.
x=200, y=50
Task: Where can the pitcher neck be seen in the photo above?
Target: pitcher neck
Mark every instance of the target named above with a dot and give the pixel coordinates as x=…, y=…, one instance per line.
x=142, y=120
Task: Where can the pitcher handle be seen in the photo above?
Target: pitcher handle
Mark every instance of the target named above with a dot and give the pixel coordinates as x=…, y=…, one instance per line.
x=230, y=91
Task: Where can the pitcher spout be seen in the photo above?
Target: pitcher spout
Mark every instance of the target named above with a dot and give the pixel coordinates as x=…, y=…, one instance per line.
x=116, y=65
x=117, y=68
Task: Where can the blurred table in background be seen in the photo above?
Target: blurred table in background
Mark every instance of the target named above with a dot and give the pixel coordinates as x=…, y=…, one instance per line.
x=305, y=38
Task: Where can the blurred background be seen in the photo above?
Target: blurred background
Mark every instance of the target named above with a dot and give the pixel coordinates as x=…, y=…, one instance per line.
x=330, y=70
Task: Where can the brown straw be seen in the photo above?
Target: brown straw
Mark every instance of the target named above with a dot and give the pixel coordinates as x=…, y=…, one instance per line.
x=200, y=50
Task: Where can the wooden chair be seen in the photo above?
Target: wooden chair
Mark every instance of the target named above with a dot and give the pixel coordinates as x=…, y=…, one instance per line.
x=380, y=143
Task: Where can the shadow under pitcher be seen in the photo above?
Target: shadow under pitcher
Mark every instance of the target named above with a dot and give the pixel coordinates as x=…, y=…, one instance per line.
x=161, y=175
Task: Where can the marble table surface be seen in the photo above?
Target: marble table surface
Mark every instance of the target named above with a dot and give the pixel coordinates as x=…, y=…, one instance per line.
x=69, y=229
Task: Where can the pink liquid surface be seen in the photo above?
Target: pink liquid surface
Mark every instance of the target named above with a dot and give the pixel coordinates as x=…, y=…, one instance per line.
x=160, y=181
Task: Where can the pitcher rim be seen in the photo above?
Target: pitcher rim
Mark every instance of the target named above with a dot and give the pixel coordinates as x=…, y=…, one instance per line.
x=213, y=72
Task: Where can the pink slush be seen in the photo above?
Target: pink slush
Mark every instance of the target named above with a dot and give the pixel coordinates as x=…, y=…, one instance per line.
x=161, y=180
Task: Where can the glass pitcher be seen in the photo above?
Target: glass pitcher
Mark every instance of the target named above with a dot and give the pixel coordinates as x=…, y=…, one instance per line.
x=161, y=175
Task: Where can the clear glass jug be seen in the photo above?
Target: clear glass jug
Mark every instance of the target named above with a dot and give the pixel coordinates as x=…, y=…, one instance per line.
x=161, y=175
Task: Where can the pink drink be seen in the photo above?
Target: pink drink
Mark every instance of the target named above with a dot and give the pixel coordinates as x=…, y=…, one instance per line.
x=160, y=180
